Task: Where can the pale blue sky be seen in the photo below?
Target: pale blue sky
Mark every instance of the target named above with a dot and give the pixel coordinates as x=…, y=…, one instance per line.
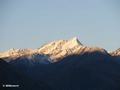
x=32, y=23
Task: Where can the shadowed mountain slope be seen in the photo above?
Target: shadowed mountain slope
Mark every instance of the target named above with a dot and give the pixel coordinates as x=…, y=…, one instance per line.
x=13, y=76
x=95, y=71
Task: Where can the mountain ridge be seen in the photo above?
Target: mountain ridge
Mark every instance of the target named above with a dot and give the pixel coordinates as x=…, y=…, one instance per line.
x=52, y=51
x=68, y=65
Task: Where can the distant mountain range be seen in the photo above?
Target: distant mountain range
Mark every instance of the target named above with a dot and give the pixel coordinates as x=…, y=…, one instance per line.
x=52, y=52
x=69, y=65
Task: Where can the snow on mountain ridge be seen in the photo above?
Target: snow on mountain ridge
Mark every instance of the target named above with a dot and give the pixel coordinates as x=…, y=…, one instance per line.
x=116, y=55
x=52, y=51
x=60, y=48
x=56, y=49
x=75, y=40
x=59, y=45
x=16, y=52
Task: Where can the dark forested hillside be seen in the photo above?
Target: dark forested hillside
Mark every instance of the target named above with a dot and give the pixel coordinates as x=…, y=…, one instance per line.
x=95, y=71
x=9, y=75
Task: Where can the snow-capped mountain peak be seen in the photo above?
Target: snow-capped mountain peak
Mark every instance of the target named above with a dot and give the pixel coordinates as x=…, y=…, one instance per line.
x=60, y=48
x=75, y=41
x=60, y=44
